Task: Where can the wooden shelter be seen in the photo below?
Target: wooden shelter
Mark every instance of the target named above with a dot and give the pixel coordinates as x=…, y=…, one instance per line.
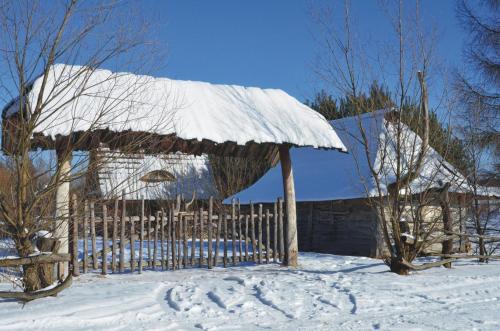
x=86, y=108
x=334, y=213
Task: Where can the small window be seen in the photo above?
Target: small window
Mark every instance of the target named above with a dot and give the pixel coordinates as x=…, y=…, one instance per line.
x=157, y=176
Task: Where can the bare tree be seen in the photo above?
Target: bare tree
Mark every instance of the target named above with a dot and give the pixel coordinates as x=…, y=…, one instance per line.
x=35, y=38
x=406, y=203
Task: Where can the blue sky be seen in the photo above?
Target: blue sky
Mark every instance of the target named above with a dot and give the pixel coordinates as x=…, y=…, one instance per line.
x=272, y=43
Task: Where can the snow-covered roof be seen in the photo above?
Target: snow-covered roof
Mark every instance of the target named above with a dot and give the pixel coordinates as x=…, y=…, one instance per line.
x=325, y=175
x=187, y=109
x=118, y=172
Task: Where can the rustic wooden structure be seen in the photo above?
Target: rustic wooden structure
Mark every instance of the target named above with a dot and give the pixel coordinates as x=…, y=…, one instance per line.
x=180, y=239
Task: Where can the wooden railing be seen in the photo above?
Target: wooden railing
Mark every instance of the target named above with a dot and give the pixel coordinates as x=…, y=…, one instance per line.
x=172, y=239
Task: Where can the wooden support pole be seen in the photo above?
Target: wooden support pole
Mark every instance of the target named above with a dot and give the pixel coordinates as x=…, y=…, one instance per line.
x=202, y=252
x=62, y=210
x=115, y=237
x=185, y=241
x=291, y=242
x=122, y=233
x=193, y=238
x=76, y=265
x=104, y=240
x=275, y=232
x=85, y=237
x=233, y=231
x=132, y=244
x=209, y=231
x=179, y=240
x=162, y=239
x=172, y=216
x=95, y=262
x=141, y=239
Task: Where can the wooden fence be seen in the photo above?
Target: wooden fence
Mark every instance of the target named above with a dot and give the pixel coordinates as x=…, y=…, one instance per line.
x=172, y=239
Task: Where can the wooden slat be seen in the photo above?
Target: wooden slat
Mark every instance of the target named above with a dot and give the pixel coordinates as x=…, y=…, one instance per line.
x=185, y=241
x=275, y=232
x=115, y=237
x=233, y=231
x=76, y=265
x=122, y=233
x=209, y=231
x=246, y=237
x=104, y=239
x=217, y=239
x=85, y=238
x=141, y=239
x=149, y=242
x=259, y=232
x=132, y=244
x=172, y=216
x=162, y=239
x=155, y=242
x=93, y=235
x=252, y=233
x=268, y=235
x=193, y=238
x=202, y=248
x=240, y=242
x=224, y=220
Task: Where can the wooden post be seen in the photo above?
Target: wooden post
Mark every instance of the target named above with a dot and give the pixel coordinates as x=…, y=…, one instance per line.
x=155, y=243
x=291, y=251
x=122, y=233
x=252, y=233
x=62, y=210
x=141, y=239
x=95, y=262
x=275, y=232
x=162, y=239
x=149, y=241
x=115, y=237
x=281, y=230
x=209, y=230
x=240, y=243
x=268, y=234
x=85, y=238
x=179, y=240
x=202, y=252
x=185, y=239
x=193, y=239
x=132, y=244
x=172, y=223
x=104, y=239
x=224, y=261
x=169, y=239
x=233, y=231
x=259, y=232
x=246, y=238
x=76, y=264
x=217, y=239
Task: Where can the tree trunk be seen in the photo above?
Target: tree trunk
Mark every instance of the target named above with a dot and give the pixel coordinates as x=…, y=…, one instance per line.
x=398, y=267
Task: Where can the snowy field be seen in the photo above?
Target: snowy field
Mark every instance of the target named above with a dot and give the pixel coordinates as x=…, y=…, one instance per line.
x=326, y=292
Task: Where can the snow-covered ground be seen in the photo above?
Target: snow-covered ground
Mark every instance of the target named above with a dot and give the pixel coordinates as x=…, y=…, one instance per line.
x=326, y=292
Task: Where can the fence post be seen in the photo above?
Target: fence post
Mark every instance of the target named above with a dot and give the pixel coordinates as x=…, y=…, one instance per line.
x=281, y=230
x=217, y=239
x=132, y=243
x=172, y=221
x=104, y=239
x=95, y=261
x=169, y=239
x=193, y=239
x=76, y=264
x=85, y=237
x=115, y=237
x=233, y=230
x=268, y=234
x=275, y=232
x=246, y=238
x=240, y=244
x=202, y=252
x=141, y=238
x=224, y=261
x=162, y=239
x=185, y=257
x=155, y=243
x=122, y=233
x=149, y=241
x=252, y=234
x=209, y=230
x=259, y=232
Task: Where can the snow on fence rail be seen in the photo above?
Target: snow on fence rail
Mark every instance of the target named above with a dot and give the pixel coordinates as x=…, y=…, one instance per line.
x=173, y=239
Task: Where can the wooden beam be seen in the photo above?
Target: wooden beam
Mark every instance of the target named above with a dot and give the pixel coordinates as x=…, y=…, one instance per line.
x=291, y=241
